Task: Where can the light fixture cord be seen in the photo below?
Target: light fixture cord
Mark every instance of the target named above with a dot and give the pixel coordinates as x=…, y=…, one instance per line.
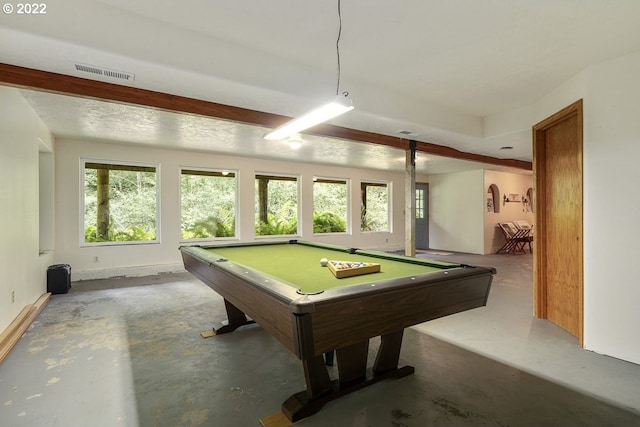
x=338, y=47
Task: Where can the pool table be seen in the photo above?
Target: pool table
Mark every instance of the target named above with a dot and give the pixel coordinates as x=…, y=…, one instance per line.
x=284, y=288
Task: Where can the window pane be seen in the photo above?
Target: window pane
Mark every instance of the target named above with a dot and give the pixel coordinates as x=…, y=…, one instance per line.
x=207, y=204
x=419, y=203
x=276, y=205
x=374, y=207
x=120, y=203
x=329, y=206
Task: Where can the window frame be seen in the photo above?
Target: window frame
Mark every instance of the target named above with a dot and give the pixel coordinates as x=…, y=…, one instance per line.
x=380, y=183
x=299, y=219
x=420, y=203
x=235, y=207
x=124, y=163
x=348, y=220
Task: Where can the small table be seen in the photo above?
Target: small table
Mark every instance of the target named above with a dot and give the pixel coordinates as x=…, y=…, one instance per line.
x=283, y=287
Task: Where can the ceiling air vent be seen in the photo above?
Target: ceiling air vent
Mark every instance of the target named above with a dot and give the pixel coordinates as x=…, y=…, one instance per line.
x=122, y=75
x=408, y=133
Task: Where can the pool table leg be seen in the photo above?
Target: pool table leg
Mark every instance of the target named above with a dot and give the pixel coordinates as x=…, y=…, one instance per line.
x=352, y=372
x=316, y=376
x=352, y=362
x=306, y=403
x=236, y=319
x=388, y=353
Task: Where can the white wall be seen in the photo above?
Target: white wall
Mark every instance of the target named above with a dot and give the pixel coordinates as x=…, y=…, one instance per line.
x=612, y=208
x=509, y=211
x=456, y=212
x=611, y=100
x=165, y=256
x=22, y=268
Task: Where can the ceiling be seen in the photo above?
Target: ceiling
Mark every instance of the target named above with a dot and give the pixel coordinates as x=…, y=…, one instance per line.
x=439, y=70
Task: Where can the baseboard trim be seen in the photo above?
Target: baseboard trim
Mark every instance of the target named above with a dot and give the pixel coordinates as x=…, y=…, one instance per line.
x=137, y=271
x=10, y=336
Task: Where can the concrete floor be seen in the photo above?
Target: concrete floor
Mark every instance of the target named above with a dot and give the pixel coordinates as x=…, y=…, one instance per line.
x=127, y=352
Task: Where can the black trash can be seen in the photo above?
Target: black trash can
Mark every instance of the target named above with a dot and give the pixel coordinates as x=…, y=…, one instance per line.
x=59, y=278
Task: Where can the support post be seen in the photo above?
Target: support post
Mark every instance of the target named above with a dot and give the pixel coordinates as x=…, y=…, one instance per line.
x=410, y=200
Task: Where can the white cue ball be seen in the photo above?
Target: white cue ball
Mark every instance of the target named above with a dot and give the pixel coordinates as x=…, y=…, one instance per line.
x=323, y=262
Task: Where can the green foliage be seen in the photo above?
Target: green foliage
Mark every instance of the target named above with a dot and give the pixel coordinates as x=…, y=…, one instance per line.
x=365, y=223
x=131, y=234
x=209, y=227
x=284, y=222
x=207, y=206
x=330, y=206
x=132, y=206
x=91, y=234
x=375, y=217
x=330, y=197
x=276, y=226
x=328, y=222
x=282, y=216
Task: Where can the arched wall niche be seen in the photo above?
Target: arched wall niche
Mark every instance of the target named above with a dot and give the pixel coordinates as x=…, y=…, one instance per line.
x=530, y=199
x=493, y=199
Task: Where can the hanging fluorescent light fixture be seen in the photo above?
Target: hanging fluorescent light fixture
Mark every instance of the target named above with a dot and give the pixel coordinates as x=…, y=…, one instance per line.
x=340, y=105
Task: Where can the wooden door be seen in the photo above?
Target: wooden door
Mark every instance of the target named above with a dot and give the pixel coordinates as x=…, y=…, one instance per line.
x=558, y=260
x=422, y=216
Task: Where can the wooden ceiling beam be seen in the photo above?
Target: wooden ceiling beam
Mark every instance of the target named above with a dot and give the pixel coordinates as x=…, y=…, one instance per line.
x=28, y=78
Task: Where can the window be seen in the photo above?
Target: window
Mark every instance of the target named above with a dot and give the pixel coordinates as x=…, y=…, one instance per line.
x=276, y=205
x=119, y=202
x=420, y=203
x=207, y=203
x=330, y=205
x=374, y=206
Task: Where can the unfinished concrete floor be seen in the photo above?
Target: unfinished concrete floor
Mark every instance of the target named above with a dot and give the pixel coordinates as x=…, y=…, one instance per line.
x=128, y=352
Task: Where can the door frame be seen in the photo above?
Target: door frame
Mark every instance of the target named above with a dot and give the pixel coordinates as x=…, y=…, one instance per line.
x=426, y=213
x=540, y=203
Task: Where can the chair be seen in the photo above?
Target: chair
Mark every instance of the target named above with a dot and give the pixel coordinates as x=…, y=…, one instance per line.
x=516, y=238
x=524, y=225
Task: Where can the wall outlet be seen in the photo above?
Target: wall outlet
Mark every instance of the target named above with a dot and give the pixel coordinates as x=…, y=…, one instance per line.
x=96, y=259
x=13, y=297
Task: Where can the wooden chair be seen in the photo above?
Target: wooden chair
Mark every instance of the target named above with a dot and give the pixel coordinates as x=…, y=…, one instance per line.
x=516, y=238
x=524, y=225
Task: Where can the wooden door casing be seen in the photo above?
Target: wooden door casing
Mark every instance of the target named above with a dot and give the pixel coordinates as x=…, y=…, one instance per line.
x=558, y=199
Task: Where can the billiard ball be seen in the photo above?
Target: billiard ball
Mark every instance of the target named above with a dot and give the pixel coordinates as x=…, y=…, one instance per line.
x=323, y=262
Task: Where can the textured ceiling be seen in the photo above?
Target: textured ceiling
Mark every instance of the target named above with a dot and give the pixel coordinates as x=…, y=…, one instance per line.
x=74, y=118
x=438, y=69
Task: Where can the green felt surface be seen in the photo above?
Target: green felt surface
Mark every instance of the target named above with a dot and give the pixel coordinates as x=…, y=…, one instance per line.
x=299, y=265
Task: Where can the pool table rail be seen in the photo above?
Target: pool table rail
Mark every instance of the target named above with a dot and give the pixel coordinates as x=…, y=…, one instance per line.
x=246, y=294
x=355, y=317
